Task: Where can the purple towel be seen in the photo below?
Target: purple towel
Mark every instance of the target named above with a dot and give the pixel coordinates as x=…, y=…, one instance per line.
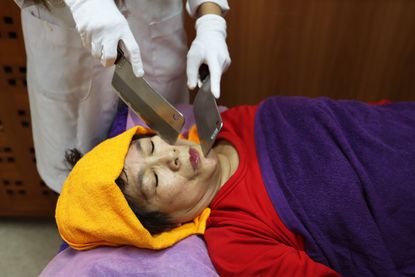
x=341, y=174
x=120, y=121
x=187, y=258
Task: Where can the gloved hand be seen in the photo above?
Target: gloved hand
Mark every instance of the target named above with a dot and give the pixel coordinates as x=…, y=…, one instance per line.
x=102, y=26
x=208, y=47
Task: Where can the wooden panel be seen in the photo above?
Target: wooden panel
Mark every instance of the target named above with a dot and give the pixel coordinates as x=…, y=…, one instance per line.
x=342, y=49
x=22, y=192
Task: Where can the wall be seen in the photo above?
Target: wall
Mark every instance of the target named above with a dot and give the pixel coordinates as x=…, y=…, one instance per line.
x=342, y=49
x=22, y=192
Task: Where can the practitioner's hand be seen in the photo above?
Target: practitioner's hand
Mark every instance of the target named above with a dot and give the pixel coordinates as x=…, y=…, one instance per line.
x=102, y=26
x=209, y=47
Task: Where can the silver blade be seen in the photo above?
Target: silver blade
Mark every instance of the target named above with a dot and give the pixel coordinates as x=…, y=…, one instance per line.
x=207, y=116
x=154, y=109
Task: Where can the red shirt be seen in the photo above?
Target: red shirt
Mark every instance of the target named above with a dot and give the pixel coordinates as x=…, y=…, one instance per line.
x=245, y=235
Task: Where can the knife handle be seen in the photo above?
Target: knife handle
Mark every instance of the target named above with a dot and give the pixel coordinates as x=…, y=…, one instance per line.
x=203, y=71
x=120, y=54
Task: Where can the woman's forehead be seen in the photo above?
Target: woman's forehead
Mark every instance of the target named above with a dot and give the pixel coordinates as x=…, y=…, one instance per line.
x=134, y=153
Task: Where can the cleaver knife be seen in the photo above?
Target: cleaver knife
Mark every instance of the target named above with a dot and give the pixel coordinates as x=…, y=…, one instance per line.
x=207, y=116
x=153, y=108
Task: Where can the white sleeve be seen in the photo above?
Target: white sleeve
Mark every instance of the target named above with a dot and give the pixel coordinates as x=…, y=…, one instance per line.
x=24, y=3
x=193, y=5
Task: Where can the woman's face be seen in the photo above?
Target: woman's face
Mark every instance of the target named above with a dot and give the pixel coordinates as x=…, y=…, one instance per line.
x=174, y=179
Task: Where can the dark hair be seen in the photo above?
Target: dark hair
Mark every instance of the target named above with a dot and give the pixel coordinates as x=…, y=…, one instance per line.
x=155, y=222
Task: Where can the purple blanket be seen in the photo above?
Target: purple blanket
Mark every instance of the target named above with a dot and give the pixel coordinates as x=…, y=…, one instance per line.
x=341, y=174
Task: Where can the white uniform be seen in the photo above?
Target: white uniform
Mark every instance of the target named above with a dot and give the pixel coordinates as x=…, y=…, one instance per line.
x=72, y=102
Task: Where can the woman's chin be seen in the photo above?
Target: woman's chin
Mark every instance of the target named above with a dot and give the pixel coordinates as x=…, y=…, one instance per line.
x=211, y=159
x=209, y=164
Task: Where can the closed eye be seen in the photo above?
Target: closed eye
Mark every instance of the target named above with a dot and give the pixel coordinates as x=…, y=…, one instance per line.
x=152, y=146
x=156, y=177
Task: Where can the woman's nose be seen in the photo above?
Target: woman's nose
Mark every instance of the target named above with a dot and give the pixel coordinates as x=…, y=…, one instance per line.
x=172, y=159
x=174, y=164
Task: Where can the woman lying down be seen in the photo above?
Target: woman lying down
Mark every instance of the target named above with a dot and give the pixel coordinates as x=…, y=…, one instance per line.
x=293, y=187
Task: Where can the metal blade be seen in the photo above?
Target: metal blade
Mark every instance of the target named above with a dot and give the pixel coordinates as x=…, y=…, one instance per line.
x=153, y=108
x=207, y=116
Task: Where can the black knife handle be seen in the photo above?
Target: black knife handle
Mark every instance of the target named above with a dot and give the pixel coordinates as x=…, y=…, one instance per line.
x=203, y=72
x=120, y=54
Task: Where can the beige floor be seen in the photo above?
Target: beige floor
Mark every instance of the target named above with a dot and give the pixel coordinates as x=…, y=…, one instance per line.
x=26, y=246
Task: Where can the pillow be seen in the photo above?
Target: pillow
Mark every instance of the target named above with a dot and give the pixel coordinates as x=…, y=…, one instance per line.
x=188, y=257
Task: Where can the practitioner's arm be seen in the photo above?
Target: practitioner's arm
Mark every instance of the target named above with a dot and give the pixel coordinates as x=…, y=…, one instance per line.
x=209, y=46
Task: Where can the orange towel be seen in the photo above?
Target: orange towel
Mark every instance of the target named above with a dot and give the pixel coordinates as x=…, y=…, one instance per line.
x=92, y=211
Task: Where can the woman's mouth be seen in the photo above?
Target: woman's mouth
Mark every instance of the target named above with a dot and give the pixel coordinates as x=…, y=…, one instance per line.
x=194, y=158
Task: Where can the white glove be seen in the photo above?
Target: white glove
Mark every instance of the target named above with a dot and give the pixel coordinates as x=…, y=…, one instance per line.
x=102, y=26
x=208, y=47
